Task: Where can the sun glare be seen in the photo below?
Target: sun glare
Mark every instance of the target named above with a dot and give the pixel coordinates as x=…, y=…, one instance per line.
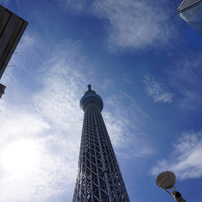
x=20, y=157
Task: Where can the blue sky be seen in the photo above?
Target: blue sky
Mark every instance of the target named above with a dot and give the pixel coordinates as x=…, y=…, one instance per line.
x=145, y=63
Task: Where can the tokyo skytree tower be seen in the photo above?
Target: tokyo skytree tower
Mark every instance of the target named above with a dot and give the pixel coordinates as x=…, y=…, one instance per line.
x=99, y=178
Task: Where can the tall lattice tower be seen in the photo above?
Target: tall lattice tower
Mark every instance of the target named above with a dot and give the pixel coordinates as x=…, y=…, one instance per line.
x=99, y=178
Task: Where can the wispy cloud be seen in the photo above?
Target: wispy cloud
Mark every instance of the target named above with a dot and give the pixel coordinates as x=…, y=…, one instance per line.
x=51, y=120
x=75, y=5
x=18, y=2
x=127, y=129
x=185, y=160
x=185, y=79
x=155, y=90
x=130, y=24
x=4, y=2
x=43, y=108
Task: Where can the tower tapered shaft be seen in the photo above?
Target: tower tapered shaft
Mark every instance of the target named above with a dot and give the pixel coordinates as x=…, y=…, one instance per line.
x=98, y=177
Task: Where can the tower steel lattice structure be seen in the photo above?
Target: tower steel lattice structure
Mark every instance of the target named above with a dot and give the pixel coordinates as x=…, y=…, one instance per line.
x=99, y=178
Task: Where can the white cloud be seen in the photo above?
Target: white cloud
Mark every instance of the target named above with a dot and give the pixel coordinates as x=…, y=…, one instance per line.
x=51, y=176
x=18, y=122
x=155, y=90
x=130, y=24
x=133, y=24
x=49, y=116
x=185, y=160
x=54, y=166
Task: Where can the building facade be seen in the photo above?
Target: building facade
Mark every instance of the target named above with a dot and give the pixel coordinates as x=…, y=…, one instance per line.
x=12, y=28
x=99, y=178
x=191, y=12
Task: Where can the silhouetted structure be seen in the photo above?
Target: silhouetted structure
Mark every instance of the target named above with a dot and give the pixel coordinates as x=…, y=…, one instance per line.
x=11, y=30
x=2, y=89
x=191, y=12
x=98, y=177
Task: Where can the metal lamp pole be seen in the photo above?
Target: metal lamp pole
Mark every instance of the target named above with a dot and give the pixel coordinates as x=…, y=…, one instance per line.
x=166, y=180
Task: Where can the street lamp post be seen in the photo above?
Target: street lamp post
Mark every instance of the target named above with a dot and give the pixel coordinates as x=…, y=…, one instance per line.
x=166, y=180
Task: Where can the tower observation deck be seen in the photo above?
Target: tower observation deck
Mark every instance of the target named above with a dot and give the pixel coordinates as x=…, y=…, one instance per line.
x=99, y=178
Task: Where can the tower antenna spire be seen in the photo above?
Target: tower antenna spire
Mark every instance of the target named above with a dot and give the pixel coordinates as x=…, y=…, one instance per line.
x=89, y=87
